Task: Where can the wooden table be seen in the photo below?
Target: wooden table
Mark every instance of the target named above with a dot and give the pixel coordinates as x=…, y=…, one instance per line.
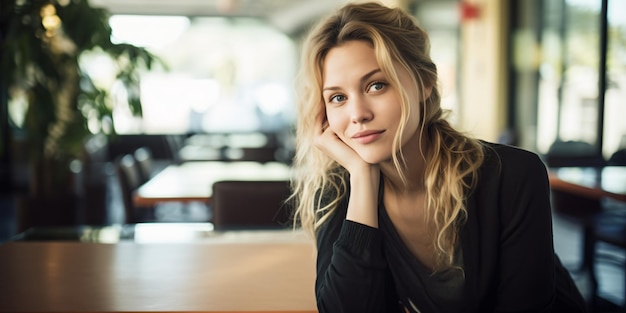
x=590, y=182
x=193, y=181
x=211, y=276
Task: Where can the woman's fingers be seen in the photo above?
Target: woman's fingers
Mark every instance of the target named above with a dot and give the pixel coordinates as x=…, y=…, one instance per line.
x=329, y=143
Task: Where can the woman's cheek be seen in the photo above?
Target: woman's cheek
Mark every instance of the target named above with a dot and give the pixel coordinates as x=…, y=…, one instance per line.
x=335, y=126
x=331, y=120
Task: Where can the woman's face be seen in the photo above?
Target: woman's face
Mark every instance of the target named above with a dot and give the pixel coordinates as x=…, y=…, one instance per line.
x=361, y=106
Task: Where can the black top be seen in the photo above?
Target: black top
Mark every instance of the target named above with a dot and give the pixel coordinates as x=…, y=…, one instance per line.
x=506, y=244
x=440, y=291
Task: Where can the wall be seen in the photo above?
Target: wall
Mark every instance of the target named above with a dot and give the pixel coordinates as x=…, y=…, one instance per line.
x=483, y=70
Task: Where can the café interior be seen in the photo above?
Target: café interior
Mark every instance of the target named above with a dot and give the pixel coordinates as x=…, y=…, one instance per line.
x=173, y=200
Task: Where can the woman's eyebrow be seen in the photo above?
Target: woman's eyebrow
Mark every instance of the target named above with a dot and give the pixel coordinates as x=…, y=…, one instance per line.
x=367, y=76
x=363, y=79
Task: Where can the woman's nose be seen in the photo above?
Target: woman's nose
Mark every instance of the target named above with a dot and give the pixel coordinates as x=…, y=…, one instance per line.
x=360, y=111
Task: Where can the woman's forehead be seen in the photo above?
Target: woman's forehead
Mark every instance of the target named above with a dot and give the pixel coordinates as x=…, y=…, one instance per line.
x=350, y=60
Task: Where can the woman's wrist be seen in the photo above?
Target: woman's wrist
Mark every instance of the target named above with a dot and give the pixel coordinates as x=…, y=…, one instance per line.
x=365, y=176
x=363, y=202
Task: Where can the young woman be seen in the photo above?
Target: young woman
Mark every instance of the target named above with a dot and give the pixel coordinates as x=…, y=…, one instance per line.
x=409, y=214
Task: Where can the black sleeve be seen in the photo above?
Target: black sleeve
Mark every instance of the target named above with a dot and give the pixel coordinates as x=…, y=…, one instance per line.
x=527, y=260
x=350, y=266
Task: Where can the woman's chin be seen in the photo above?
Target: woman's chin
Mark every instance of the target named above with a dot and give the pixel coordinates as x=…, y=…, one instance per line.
x=374, y=158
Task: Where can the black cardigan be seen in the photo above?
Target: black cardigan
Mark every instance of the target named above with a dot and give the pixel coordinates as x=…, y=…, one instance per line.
x=508, y=253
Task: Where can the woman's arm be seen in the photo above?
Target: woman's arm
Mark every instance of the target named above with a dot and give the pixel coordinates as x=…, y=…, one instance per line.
x=350, y=266
x=350, y=261
x=364, y=177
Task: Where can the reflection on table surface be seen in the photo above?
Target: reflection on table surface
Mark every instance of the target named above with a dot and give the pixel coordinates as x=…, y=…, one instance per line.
x=158, y=233
x=243, y=271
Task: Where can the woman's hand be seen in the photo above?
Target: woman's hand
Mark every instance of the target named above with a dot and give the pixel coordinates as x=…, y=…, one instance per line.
x=329, y=143
x=364, y=177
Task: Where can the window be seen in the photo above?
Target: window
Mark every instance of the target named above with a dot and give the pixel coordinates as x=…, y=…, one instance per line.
x=440, y=19
x=224, y=75
x=569, y=65
x=568, y=73
x=615, y=94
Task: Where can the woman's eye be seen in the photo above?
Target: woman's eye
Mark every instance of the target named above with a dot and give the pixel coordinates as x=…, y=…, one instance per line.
x=376, y=86
x=337, y=98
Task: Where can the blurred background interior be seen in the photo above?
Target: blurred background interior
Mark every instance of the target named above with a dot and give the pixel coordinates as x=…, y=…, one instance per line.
x=544, y=75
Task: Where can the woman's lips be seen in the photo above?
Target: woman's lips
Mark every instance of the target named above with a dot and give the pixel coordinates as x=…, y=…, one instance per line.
x=367, y=136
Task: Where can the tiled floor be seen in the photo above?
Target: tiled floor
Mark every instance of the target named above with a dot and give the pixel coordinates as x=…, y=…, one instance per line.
x=567, y=243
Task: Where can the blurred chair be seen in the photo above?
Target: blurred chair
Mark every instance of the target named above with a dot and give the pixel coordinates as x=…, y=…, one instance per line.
x=608, y=228
x=250, y=205
x=601, y=220
x=618, y=158
x=578, y=210
x=174, y=144
x=148, y=166
x=95, y=176
x=145, y=163
x=128, y=172
x=129, y=180
x=573, y=153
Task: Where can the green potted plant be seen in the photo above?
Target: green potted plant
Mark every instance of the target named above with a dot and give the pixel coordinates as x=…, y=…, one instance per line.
x=41, y=51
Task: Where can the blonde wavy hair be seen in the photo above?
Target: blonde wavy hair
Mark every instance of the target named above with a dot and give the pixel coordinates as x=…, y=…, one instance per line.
x=452, y=158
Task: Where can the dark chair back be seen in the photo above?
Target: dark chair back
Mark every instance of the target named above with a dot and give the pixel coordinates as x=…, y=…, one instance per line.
x=250, y=205
x=143, y=156
x=573, y=153
x=129, y=181
x=175, y=143
x=618, y=158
